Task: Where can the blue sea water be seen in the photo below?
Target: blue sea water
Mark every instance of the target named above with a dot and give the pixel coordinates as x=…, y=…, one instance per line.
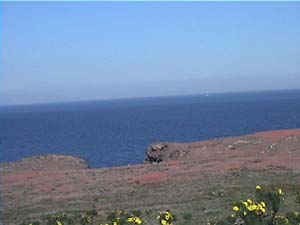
x=117, y=132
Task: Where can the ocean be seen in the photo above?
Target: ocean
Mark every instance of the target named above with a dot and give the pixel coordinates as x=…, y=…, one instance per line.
x=117, y=132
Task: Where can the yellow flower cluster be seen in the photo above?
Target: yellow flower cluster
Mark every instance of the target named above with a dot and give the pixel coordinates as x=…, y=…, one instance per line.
x=134, y=220
x=165, y=218
x=258, y=208
x=56, y=219
x=249, y=206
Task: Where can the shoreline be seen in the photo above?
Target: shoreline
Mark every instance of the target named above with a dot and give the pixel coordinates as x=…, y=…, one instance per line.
x=83, y=163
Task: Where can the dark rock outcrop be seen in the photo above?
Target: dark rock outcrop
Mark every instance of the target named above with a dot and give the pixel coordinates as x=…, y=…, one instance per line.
x=161, y=152
x=156, y=153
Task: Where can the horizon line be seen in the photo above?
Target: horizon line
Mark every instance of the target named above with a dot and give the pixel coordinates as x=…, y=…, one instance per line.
x=145, y=97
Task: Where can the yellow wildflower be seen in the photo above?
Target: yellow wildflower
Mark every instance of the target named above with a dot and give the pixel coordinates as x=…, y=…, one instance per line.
x=280, y=192
x=258, y=187
x=139, y=221
x=167, y=216
x=249, y=201
x=252, y=207
x=170, y=215
x=235, y=208
x=164, y=222
x=135, y=220
x=130, y=219
x=245, y=203
x=263, y=210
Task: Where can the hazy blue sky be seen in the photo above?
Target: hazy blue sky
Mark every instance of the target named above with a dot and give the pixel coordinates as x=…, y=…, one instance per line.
x=66, y=51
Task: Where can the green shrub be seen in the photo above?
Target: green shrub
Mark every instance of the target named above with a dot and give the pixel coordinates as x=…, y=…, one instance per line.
x=259, y=211
x=297, y=198
x=148, y=211
x=293, y=218
x=187, y=216
x=92, y=212
x=58, y=219
x=31, y=223
x=263, y=209
x=166, y=218
x=136, y=212
x=120, y=217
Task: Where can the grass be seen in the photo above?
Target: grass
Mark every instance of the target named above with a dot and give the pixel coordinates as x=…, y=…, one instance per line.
x=148, y=216
x=204, y=197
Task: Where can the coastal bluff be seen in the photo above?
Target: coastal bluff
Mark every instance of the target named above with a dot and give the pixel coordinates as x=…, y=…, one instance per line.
x=279, y=148
x=267, y=145
x=42, y=163
x=174, y=175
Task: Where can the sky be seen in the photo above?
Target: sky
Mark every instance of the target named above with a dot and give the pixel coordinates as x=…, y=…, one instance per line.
x=73, y=51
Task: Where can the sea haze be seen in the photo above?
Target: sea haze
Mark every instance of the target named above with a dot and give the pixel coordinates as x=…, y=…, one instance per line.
x=117, y=132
